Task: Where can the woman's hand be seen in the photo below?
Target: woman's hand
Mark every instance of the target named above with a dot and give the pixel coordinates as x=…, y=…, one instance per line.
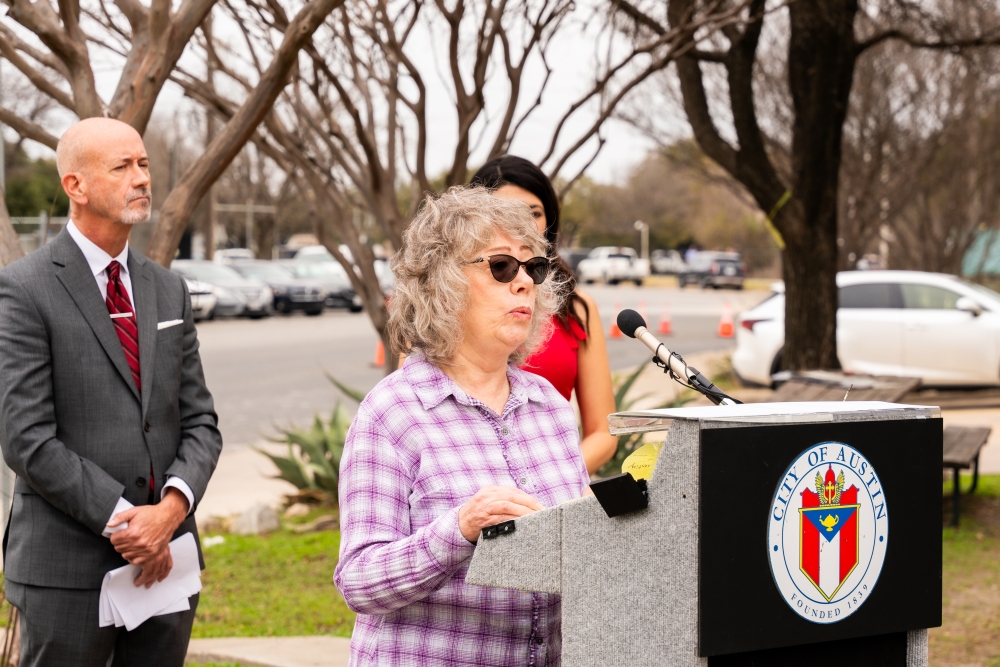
x=492, y=505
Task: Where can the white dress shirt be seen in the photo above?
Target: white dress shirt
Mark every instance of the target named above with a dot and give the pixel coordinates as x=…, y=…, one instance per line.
x=99, y=260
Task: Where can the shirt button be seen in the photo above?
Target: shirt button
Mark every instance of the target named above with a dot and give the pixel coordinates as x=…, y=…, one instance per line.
x=504, y=431
x=523, y=481
x=140, y=482
x=145, y=427
x=539, y=640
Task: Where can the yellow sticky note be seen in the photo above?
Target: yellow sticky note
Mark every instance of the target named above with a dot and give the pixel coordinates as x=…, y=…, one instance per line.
x=642, y=461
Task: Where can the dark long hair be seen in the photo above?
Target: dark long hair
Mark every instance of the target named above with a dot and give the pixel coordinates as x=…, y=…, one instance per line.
x=513, y=170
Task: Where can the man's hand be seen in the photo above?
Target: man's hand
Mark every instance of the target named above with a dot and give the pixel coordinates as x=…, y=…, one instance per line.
x=491, y=505
x=146, y=541
x=155, y=570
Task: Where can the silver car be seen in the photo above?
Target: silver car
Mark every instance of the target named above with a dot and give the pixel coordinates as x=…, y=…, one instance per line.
x=235, y=295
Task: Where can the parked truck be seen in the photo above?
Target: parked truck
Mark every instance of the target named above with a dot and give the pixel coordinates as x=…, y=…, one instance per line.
x=612, y=265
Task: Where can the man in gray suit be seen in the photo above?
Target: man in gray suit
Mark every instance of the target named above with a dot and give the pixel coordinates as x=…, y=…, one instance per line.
x=104, y=415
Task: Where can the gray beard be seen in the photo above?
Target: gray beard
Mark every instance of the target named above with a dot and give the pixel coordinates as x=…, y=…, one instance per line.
x=131, y=217
x=123, y=214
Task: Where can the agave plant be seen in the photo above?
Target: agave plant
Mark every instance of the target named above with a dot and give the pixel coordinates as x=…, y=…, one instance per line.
x=629, y=442
x=313, y=461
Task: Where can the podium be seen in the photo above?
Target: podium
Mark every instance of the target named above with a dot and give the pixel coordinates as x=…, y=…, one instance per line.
x=775, y=534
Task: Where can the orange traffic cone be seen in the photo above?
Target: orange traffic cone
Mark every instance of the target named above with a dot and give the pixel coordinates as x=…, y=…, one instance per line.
x=379, y=361
x=615, y=331
x=665, y=328
x=726, y=328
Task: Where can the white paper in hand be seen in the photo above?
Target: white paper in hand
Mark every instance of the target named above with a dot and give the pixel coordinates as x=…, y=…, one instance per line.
x=124, y=603
x=119, y=508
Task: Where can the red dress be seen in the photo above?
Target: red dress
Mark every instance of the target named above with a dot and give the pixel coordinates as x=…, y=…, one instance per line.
x=556, y=360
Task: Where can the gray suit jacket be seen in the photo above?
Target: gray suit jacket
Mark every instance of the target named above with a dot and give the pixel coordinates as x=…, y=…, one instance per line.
x=72, y=424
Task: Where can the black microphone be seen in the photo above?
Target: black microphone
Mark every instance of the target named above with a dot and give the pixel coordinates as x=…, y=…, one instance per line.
x=629, y=321
x=633, y=326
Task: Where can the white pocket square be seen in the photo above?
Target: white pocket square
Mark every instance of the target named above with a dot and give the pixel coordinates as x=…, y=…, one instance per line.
x=160, y=326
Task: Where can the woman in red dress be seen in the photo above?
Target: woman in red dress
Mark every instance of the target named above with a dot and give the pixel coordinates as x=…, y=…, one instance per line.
x=576, y=356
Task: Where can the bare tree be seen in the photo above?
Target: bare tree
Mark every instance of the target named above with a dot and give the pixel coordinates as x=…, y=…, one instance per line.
x=921, y=151
x=353, y=131
x=149, y=42
x=153, y=39
x=791, y=166
x=238, y=130
x=10, y=243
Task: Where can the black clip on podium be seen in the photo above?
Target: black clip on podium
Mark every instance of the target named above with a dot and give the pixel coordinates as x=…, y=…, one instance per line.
x=621, y=494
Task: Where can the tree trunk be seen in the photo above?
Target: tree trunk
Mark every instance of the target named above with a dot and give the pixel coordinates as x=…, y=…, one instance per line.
x=10, y=243
x=182, y=200
x=809, y=269
x=821, y=56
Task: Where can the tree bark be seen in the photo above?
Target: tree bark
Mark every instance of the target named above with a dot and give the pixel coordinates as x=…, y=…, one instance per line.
x=181, y=202
x=10, y=243
x=821, y=57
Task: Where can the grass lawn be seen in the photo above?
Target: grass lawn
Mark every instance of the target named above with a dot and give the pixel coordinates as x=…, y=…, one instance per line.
x=281, y=585
x=269, y=585
x=272, y=585
x=971, y=631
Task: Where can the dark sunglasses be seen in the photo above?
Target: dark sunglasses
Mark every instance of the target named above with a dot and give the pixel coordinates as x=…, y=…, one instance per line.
x=504, y=267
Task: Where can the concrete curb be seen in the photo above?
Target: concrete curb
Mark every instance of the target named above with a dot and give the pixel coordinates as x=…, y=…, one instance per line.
x=318, y=651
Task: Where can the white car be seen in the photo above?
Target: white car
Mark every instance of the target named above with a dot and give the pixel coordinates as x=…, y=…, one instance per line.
x=613, y=264
x=229, y=255
x=939, y=328
x=203, y=300
x=667, y=262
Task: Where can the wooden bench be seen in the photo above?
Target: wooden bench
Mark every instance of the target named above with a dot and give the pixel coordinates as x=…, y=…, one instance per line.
x=834, y=385
x=962, y=445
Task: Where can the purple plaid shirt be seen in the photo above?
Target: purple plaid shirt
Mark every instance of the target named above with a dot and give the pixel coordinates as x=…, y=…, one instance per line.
x=419, y=448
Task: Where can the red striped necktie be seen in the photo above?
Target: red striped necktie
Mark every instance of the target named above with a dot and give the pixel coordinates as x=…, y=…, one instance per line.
x=123, y=317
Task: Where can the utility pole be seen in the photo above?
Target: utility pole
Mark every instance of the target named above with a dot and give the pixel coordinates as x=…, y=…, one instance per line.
x=643, y=229
x=249, y=209
x=209, y=231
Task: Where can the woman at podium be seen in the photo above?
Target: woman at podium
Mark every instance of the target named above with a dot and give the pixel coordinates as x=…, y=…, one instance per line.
x=575, y=356
x=457, y=440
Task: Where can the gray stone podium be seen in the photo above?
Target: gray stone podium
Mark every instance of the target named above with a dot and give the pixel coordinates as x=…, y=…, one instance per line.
x=630, y=584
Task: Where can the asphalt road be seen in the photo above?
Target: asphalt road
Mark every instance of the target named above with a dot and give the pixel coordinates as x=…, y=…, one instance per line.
x=269, y=373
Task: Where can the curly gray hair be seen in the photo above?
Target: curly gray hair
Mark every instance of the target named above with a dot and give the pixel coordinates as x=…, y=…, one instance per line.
x=431, y=288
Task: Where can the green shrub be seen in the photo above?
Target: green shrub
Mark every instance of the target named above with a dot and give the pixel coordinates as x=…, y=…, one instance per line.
x=313, y=461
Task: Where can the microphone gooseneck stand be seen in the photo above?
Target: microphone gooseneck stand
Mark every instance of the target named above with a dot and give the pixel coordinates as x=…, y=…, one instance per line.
x=622, y=494
x=673, y=364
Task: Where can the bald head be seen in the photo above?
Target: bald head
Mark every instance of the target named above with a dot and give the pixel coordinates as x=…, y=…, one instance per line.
x=91, y=138
x=104, y=171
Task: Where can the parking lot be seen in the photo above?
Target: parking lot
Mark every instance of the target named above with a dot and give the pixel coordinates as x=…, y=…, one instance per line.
x=269, y=372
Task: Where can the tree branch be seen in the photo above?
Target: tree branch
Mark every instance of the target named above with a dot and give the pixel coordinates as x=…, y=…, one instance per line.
x=134, y=13
x=34, y=76
x=27, y=129
x=637, y=15
x=33, y=53
x=921, y=43
x=180, y=203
